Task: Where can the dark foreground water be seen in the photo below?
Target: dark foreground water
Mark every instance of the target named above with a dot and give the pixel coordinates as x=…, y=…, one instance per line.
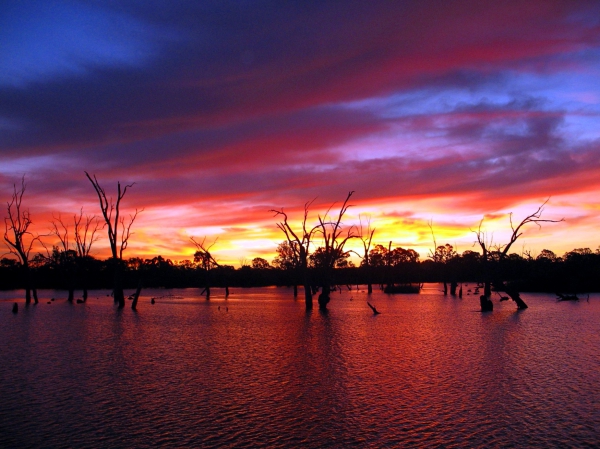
x=429, y=371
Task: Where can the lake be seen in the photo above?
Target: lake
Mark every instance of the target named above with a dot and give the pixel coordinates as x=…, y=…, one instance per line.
x=257, y=370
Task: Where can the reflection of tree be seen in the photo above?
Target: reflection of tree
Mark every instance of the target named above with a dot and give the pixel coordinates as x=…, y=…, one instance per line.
x=18, y=238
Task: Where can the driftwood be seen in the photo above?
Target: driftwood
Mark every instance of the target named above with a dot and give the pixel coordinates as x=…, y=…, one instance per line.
x=375, y=312
x=562, y=297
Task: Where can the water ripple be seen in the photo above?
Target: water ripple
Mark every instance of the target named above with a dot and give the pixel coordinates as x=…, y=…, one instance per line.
x=429, y=371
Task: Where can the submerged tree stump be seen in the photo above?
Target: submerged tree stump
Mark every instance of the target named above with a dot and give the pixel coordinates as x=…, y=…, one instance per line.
x=486, y=304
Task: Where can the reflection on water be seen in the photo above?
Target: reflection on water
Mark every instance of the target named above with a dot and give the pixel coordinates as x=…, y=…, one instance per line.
x=429, y=371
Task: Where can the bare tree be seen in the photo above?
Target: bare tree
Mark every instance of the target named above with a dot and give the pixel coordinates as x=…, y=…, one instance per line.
x=300, y=243
x=443, y=254
x=74, y=261
x=365, y=234
x=18, y=238
x=119, y=232
x=334, y=240
x=65, y=257
x=492, y=252
x=206, y=262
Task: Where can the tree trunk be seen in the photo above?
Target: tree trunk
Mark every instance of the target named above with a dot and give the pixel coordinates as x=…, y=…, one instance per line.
x=487, y=288
x=369, y=288
x=85, y=294
x=119, y=296
x=460, y=291
x=136, y=296
x=324, y=297
x=486, y=304
x=445, y=288
x=453, y=286
x=295, y=291
x=514, y=295
x=71, y=294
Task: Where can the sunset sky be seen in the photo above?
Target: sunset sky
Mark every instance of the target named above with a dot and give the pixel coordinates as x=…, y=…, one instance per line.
x=441, y=111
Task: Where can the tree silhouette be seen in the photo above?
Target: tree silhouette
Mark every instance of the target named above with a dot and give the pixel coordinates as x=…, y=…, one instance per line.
x=334, y=240
x=18, y=238
x=299, y=242
x=365, y=234
x=74, y=261
x=204, y=259
x=497, y=253
x=118, y=231
x=258, y=263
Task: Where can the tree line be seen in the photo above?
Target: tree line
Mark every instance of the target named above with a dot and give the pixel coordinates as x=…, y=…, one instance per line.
x=314, y=255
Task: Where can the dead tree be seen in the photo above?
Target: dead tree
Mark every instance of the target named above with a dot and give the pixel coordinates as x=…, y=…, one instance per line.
x=334, y=240
x=73, y=261
x=300, y=243
x=18, y=238
x=206, y=262
x=118, y=232
x=434, y=255
x=498, y=252
x=443, y=255
x=85, y=236
x=65, y=257
x=366, y=237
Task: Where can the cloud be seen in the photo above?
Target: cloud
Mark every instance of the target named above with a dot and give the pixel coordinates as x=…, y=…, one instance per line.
x=467, y=107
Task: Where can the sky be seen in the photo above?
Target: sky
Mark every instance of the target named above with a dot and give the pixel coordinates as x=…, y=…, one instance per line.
x=432, y=112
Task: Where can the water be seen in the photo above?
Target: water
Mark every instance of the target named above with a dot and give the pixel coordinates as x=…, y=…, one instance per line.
x=428, y=371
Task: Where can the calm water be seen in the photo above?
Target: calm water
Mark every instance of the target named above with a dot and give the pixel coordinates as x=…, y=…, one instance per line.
x=428, y=371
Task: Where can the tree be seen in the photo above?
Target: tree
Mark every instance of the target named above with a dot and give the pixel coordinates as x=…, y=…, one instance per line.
x=204, y=259
x=286, y=256
x=365, y=234
x=258, y=263
x=442, y=255
x=299, y=242
x=546, y=255
x=334, y=239
x=118, y=231
x=319, y=259
x=18, y=238
x=287, y=260
x=73, y=262
x=498, y=252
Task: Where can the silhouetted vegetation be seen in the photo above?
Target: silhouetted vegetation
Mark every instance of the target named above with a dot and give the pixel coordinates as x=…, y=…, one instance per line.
x=118, y=231
x=577, y=271
x=312, y=256
x=19, y=238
